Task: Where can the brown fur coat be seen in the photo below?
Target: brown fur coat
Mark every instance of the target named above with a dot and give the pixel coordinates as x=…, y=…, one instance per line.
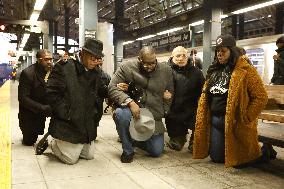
x=246, y=98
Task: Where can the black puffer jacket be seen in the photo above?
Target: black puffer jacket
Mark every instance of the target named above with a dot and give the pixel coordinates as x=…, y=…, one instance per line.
x=278, y=75
x=73, y=95
x=188, y=83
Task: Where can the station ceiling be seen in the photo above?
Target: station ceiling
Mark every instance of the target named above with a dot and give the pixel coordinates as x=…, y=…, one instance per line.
x=140, y=17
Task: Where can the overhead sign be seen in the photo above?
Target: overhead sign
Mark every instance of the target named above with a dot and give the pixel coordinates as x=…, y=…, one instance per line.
x=90, y=33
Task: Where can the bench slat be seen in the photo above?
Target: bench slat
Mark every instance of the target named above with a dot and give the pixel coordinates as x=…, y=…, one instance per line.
x=272, y=115
x=272, y=133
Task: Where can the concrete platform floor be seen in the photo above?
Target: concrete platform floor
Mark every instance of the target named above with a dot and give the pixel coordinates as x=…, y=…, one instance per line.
x=173, y=170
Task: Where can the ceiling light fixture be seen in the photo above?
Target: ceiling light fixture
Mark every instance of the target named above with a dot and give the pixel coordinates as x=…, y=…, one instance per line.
x=170, y=31
x=258, y=6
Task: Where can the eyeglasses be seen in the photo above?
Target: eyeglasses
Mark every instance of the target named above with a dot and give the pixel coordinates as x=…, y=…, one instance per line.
x=46, y=59
x=148, y=64
x=95, y=58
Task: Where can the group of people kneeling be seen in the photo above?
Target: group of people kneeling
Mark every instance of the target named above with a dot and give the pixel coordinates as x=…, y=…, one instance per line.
x=221, y=109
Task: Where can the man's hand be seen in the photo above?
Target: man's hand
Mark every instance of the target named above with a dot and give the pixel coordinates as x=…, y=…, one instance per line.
x=167, y=95
x=123, y=86
x=134, y=108
x=275, y=57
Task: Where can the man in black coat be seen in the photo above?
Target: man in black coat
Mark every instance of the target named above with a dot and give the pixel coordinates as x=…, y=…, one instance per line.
x=188, y=83
x=278, y=75
x=194, y=60
x=73, y=94
x=33, y=108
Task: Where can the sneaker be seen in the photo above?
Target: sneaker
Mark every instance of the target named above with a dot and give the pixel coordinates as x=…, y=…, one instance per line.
x=40, y=148
x=124, y=158
x=190, y=144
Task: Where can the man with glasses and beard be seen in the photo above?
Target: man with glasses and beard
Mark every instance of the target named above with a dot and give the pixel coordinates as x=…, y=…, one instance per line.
x=33, y=108
x=73, y=93
x=156, y=83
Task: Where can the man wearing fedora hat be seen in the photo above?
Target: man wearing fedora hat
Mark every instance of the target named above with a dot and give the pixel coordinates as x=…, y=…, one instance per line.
x=73, y=94
x=144, y=123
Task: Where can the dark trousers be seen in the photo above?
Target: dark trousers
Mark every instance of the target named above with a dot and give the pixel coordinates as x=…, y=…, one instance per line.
x=29, y=138
x=177, y=128
x=217, y=139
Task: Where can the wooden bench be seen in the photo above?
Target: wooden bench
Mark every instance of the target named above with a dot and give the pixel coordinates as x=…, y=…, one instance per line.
x=272, y=130
x=274, y=110
x=271, y=133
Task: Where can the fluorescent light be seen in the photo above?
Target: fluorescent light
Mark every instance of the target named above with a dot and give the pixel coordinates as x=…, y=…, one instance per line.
x=170, y=31
x=127, y=42
x=145, y=37
x=39, y=5
x=197, y=23
x=258, y=6
x=224, y=16
x=34, y=16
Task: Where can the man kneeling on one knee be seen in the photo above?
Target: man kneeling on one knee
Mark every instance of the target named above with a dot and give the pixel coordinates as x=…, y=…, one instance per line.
x=140, y=109
x=72, y=92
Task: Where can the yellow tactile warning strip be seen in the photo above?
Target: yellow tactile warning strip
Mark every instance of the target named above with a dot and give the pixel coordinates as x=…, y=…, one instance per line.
x=5, y=137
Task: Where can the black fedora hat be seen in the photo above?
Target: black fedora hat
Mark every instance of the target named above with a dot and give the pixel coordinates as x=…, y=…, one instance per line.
x=94, y=47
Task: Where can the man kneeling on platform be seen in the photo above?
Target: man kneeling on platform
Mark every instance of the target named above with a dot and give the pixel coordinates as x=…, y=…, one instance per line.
x=72, y=92
x=155, y=82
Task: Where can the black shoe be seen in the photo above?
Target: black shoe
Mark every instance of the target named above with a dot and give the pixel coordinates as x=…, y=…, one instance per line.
x=27, y=143
x=40, y=148
x=265, y=157
x=126, y=158
x=273, y=153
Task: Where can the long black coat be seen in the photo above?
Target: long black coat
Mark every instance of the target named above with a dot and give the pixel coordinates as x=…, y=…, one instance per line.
x=278, y=75
x=31, y=96
x=72, y=92
x=188, y=83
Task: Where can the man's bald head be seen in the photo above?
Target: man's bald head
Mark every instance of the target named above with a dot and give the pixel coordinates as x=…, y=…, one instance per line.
x=41, y=53
x=147, y=58
x=44, y=58
x=179, y=49
x=179, y=56
x=146, y=51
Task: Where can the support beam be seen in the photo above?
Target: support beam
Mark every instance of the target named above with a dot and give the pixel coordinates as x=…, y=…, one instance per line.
x=279, y=18
x=234, y=25
x=66, y=25
x=241, y=26
x=55, y=36
x=212, y=29
x=118, y=30
x=88, y=19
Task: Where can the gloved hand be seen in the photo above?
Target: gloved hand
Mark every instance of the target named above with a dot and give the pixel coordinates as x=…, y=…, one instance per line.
x=46, y=110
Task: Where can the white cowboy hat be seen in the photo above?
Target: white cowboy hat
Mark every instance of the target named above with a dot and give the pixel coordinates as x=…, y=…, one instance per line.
x=143, y=128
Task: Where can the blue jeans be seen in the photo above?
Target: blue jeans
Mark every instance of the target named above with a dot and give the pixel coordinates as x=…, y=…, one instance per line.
x=154, y=146
x=217, y=139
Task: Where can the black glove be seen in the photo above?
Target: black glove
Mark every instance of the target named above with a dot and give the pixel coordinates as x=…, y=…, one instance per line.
x=46, y=110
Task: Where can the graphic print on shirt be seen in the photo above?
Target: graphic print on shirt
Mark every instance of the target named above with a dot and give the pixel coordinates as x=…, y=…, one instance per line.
x=221, y=83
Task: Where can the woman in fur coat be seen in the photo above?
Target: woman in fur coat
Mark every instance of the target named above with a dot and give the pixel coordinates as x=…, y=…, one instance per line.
x=231, y=100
